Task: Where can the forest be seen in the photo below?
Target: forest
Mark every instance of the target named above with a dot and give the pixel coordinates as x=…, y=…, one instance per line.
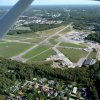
x=33, y=28
x=85, y=76
x=94, y=37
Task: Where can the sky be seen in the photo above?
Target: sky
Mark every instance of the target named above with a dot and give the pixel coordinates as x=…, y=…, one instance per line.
x=51, y=2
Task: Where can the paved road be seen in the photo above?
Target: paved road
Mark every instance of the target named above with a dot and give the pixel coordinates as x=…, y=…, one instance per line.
x=19, y=57
x=80, y=62
x=17, y=41
x=71, y=47
x=36, y=55
x=64, y=58
x=98, y=53
x=20, y=37
x=3, y=42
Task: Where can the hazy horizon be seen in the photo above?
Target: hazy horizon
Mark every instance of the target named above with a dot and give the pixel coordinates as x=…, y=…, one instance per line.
x=56, y=5
x=53, y=2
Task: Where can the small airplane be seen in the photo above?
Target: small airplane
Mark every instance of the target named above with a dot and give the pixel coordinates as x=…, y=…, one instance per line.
x=9, y=19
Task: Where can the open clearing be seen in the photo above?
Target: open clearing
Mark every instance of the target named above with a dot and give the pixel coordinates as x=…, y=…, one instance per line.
x=12, y=37
x=2, y=97
x=72, y=45
x=11, y=49
x=27, y=35
x=93, y=55
x=73, y=54
x=66, y=30
x=43, y=56
x=54, y=40
x=23, y=28
x=39, y=48
x=33, y=40
x=50, y=31
x=36, y=51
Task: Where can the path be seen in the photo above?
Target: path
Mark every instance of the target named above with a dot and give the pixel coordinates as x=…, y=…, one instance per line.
x=64, y=58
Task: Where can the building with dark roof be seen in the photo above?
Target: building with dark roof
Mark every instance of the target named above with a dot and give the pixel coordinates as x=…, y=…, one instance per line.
x=89, y=62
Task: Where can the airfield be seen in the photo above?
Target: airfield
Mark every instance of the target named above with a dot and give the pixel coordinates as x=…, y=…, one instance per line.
x=58, y=44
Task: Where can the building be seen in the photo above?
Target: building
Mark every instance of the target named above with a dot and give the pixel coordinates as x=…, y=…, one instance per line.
x=10, y=98
x=53, y=58
x=89, y=62
x=74, y=90
x=45, y=89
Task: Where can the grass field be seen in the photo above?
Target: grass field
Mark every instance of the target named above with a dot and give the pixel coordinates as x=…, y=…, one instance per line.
x=33, y=35
x=43, y=56
x=23, y=28
x=12, y=37
x=72, y=45
x=53, y=40
x=11, y=49
x=72, y=54
x=2, y=41
x=50, y=31
x=36, y=51
x=66, y=30
x=93, y=55
x=2, y=97
x=34, y=40
x=56, y=37
x=26, y=35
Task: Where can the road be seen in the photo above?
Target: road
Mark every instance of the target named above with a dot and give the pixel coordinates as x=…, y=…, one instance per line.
x=17, y=41
x=36, y=55
x=80, y=62
x=19, y=57
x=64, y=58
x=98, y=53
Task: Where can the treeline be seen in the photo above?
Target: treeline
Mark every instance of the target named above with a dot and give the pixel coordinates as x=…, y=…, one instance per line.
x=85, y=18
x=10, y=71
x=82, y=17
x=81, y=25
x=41, y=27
x=94, y=37
x=34, y=28
x=14, y=32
